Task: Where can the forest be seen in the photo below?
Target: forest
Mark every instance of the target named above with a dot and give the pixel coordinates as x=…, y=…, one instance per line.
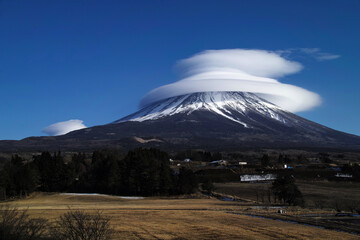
x=144, y=172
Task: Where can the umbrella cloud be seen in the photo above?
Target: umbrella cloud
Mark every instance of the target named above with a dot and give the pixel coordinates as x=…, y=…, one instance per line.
x=61, y=128
x=239, y=70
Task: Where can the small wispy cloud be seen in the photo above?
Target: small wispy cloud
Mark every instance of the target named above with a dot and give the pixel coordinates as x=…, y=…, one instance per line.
x=61, y=128
x=318, y=54
x=327, y=56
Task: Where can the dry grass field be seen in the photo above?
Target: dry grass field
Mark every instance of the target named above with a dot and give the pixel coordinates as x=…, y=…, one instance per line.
x=160, y=218
x=314, y=193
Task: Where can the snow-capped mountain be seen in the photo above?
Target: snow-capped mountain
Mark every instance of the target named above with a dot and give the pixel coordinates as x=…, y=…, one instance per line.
x=231, y=105
x=207, y=120
x=241, y=110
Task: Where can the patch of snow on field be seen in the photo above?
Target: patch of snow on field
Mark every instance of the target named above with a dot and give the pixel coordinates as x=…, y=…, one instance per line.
x=105, y=195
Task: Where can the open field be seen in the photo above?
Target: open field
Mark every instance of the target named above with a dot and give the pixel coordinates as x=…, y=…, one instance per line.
x=322, y=193
x=160, y=218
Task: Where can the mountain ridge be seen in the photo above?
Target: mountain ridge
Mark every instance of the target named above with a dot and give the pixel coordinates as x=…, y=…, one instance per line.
x=221, y=120
x=222, y=103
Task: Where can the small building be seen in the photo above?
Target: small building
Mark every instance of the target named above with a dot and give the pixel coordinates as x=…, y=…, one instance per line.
x=219, y=162
x=257, y=177
x=343, y=175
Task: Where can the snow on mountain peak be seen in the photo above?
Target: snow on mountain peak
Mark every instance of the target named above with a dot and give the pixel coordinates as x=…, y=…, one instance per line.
x=231, y=105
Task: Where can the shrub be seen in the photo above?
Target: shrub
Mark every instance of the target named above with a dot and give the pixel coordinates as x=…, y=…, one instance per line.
x=78, y=225
x=16, y=225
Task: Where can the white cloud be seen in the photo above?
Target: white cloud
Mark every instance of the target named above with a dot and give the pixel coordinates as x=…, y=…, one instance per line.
x=242, y=70
x=259, y=63
x=61, y=128
x=309, y=50
x=318, y=54
x=326, y=56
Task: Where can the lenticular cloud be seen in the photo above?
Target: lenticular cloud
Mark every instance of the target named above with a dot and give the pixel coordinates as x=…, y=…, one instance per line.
x=61, y=128
x=239, y=70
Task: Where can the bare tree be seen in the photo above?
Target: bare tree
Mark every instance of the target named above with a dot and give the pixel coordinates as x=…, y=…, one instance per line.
x=352, y=205
x=16, y=225
x=269, y=195
x=262, y=192
x=78, y=225
x=319, y=204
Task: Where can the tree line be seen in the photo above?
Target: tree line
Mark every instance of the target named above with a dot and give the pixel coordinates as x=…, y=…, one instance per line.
x=144, y=172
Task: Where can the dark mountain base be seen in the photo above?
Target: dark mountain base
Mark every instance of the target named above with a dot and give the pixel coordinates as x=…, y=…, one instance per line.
x=200, y=130
x=221, y=121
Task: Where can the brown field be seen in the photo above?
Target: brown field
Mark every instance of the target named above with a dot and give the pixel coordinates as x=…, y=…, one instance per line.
x=160, y=218
x=315, y=193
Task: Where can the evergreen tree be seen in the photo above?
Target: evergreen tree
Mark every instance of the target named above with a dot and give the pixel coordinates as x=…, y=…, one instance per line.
x=208, y=186
x=265, y=160
x=285, y=189
x=18, y=178
x=186, y=181
x=147, y=171
x=53, y=172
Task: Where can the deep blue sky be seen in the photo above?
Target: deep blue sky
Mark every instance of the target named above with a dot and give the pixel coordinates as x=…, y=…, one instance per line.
x=94, y=60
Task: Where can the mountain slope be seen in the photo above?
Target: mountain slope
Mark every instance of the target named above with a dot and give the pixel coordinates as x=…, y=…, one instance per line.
x=212, y=120
x=246, y=111
x=231, y=105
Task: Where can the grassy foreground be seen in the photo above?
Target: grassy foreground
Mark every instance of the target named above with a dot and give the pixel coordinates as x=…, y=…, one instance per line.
x=159, y=218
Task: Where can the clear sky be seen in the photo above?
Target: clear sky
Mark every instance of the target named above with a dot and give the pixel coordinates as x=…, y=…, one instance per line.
x=95, y=60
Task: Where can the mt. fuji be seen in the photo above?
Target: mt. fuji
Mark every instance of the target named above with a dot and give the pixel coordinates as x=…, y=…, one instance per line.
x=205, y=120
x=234, y=106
